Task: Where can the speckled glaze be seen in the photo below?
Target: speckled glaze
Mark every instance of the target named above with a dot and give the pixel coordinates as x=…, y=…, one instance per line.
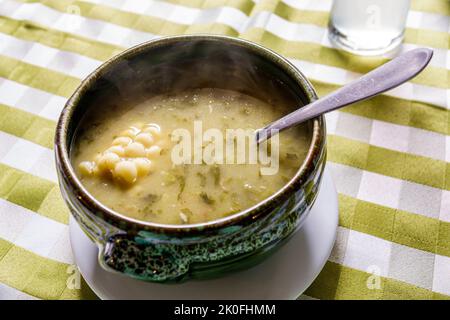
x=174, y=253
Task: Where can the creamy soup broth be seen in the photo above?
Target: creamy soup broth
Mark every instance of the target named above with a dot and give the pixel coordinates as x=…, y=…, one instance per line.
x=123, y=157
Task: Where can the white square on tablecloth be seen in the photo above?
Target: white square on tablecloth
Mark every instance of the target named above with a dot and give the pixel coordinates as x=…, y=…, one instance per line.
x=53, y=108
x=441, y=281
x=427, y=144
x=447, y=148
x=307, y=68
x=38, y=11
x=448, y=63
x=134, y=5
x=135, y=38
x=114, y=3
x=354, y=127
x=380, y=189
x=403, y=91
x=315, y=5
x=188, y=16
x=332, y=119
x=10, y=293
x=413, y=19
x=61, y=251
x=18, y=156
x=412, y=266
x=444, y=213
x=44, y=166
x=69, y=22
x=90, y=28
x=305, y=32
x=340, y=246
x=365, y=252
x=326, y=41
x=6, y=142
x=420, y=199
x=333, y=75
x=448, y=91
x=10, y=93
x=153, y=8
x=16, y=49
x=11, y=8
x=12, y=221
x=439, y=57
x=429, y=94
x=351, y=76
x=40, y=234
x=85, y=67
x=114, y=34
x=436, y=22
x=389, y=135
x=347, y=179
x=33, y=100
x=66, y=62
x=41, y=55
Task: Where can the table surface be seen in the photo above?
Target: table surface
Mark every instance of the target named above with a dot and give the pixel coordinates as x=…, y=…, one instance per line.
x=389, y=156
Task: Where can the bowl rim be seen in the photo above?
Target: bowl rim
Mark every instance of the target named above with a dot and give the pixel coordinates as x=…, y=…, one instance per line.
x=65, y=169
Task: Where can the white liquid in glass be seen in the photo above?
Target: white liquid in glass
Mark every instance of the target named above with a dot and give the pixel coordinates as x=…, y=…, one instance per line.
x=368, y=26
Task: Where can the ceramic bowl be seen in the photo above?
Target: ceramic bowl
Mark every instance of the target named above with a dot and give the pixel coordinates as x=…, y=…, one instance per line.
x=174, y=253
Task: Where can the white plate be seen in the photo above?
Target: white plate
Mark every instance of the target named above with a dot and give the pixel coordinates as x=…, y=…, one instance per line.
x=284, y=275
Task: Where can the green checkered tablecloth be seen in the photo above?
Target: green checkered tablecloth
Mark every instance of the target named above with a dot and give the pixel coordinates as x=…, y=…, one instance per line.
x=389, y=156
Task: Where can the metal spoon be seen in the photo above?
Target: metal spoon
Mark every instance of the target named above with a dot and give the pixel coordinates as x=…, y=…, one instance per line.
x=381, y=79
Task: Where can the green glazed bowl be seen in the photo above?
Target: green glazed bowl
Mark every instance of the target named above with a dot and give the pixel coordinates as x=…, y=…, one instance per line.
x=174, y=253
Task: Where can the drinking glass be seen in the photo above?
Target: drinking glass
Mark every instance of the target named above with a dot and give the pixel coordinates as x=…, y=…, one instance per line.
x=368, y=27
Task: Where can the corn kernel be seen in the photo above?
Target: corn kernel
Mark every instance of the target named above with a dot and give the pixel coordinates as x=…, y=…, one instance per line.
x=125, y=171
x=153, y=128
x=131, y=132
x=122, y=141
x=119, y=150
x=184, y=218
x=143, y=166
x=86, y=168
x=108, y=161
x=135, y=150
x=145, y=138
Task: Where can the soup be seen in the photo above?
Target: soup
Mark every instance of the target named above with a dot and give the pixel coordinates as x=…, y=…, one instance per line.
x=124, y=156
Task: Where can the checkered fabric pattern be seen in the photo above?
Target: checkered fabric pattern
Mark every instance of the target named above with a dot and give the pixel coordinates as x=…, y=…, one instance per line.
x=389, y=156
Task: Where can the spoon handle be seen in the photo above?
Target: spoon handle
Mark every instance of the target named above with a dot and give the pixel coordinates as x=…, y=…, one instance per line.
x=381, y=79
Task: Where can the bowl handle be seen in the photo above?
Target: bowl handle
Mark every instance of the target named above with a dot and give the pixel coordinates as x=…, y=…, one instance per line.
x=155, y=262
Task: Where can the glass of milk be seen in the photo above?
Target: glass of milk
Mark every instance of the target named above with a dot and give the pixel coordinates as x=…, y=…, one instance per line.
x=368, y=27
